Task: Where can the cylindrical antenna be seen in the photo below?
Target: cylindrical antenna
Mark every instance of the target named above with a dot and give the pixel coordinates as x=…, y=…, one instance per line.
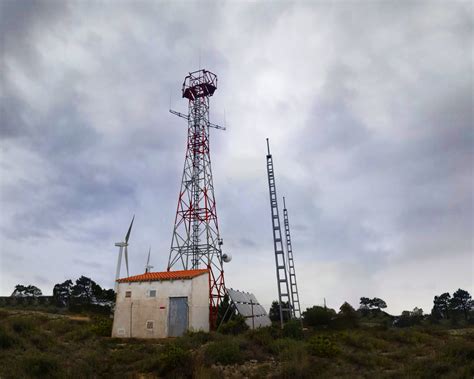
x=284, y=204
x=268, y=147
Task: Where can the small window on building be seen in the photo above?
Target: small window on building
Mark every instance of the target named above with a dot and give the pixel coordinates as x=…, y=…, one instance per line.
x=128, y=293
x=152, y=293
x=150, y=324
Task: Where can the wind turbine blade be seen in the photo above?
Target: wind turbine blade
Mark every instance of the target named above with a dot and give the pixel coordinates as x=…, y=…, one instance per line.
x=126, y=260
x=129, y=230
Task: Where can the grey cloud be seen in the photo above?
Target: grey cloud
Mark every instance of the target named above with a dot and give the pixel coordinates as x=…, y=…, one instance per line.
x=87, y=264
x=372, y=139
x=21, y=23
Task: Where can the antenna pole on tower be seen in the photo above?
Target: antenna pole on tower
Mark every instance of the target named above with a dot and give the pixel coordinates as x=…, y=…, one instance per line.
x=196, y=241
x=295, y=300
x=281, y=270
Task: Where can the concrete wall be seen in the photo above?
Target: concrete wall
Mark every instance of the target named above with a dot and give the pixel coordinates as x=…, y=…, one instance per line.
x=132, y=313
x=199, y=307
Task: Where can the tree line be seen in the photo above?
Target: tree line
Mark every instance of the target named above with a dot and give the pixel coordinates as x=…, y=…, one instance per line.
x=446, y=307
x=457, y=307
x=83, y=293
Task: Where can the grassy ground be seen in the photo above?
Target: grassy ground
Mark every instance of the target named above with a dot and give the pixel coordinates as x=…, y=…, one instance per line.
x=37, y=344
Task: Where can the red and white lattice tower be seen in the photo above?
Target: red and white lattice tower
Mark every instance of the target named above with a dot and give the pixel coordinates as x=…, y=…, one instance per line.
x=196, y=242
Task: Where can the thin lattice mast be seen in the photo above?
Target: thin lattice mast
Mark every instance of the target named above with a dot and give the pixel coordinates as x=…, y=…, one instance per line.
x=281, y=271
x=196, y=242
x=295, y=300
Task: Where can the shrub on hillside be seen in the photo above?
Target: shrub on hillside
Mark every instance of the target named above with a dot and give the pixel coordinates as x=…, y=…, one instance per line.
x=41, y=365
x=102, y=326
x=192, y=340
x=288, y=349
x=6, y=339
x=293, y=329
x=262, y=336
x=22, y=325
x=226, y=352
x=174, y=361
x=235, y=326
x=318, y=316
x=79, y=334
x=346, y=318
x=322, y=346
x=295, y=361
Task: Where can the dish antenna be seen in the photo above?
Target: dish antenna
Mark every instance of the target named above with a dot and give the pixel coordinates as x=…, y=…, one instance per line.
x=123, y=245
x=148, y=267
x=226, y=258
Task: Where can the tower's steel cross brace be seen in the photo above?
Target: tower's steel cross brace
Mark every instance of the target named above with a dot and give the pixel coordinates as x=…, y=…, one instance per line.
x=196, y=242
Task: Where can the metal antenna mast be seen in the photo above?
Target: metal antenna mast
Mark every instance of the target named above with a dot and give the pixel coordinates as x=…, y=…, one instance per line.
x=295, y=300
x=282, y=279
x=196, y=242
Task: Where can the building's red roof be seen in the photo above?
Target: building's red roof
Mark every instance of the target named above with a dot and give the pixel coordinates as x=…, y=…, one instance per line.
x=166, y=275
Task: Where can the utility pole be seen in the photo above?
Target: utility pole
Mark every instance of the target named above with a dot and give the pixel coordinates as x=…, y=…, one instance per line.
x=253, y=317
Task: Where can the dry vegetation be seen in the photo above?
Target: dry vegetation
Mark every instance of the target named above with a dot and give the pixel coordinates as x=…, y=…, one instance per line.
x=38, y=344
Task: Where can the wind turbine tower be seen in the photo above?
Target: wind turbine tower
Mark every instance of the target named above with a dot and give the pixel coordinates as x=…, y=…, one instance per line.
x=196, y=242
x=123, y=245
x=148, y=267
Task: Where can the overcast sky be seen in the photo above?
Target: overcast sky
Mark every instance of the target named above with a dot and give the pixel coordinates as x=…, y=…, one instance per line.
x=368, y=107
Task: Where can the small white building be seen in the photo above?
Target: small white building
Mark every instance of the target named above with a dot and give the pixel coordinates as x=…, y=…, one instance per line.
x=162, y=304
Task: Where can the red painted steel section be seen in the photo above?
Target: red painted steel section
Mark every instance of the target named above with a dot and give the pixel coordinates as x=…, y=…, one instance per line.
x=196, y=241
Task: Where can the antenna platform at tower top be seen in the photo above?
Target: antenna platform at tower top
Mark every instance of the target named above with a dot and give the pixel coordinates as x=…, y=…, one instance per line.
x=200, y=83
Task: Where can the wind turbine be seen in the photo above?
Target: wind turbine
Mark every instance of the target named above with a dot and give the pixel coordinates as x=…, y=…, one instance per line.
x=148, y=267
x=123, y=245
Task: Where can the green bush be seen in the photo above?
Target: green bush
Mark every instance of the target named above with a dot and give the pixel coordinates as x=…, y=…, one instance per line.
x=22, y=325
x=318, y=316
x=362, y=359
x=102, y=326
x=293, y=329
x=363, y=341
x=6, y=340
x=226, y=352
x=288, y=349
x=41, y=366
x=80, y=334
x=173, y=361
x=235, y=326
x=262, y=336
x=3, y=314
x=192, y=340
x=60, y=326
x=302, y=368
x=347, y=318
x=459, y=351
x=322, y=346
